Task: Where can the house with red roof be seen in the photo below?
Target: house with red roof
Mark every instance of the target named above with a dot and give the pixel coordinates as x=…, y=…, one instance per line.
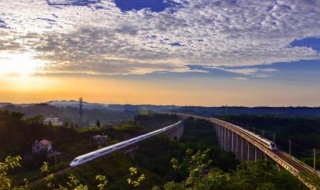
x=43, y=145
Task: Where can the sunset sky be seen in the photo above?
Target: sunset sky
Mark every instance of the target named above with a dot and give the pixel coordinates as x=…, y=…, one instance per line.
x=181, y=52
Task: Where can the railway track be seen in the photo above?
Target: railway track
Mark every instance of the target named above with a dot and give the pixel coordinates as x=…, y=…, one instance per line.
x=33, y=183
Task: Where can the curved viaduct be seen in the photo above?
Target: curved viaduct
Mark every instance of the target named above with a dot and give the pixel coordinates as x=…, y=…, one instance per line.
x=247, y=146
x=173, y=134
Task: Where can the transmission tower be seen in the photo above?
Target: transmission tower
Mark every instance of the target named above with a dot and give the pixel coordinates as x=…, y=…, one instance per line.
x=80, y=111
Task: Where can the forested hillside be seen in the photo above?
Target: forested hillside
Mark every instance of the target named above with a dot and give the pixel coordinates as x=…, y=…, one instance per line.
x=193, y=162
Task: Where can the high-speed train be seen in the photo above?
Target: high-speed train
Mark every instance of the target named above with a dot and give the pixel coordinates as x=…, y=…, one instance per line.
x=101, y=152
x=267, y=143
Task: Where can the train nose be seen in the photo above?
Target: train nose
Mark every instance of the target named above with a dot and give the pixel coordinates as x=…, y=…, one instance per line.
x=73, y=164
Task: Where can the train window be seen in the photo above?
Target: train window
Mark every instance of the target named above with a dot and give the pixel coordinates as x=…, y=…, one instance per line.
x=75, y=160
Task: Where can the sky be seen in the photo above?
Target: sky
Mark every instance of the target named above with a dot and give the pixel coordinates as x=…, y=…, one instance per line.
x=163, y=52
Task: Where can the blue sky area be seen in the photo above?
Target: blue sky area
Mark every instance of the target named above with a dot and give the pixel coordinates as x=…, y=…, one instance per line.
x=2, y=24
x=153, y=5
x=312, y=42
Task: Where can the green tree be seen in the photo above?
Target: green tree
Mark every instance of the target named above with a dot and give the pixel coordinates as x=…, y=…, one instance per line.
x=248, y=175
x=9, y=163
x=98, y=123
x=102, y=180
x=135, y=179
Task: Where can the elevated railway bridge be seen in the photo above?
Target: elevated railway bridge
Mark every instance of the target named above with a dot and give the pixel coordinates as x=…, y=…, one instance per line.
x=173, y=131
x=249, y=146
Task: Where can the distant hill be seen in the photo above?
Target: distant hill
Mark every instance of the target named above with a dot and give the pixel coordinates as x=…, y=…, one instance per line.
x=68, y=111
x=128, y=107
x=110, y=107
x=3, y=104
x=75, y=104
x=274, y=111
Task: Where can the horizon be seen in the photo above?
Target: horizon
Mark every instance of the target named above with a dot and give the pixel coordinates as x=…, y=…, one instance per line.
x=186, y=53
x=161, y=105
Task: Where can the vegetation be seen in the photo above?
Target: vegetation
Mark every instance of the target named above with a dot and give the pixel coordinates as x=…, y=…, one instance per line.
x=247, y=176
x=200, y=176
x=193, y=162
x=17, y=135
x=70, y=115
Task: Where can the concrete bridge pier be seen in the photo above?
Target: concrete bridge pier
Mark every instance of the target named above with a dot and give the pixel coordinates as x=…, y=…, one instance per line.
x=246, y=151
x=239, y=148
x=233, y=142
x=215, y=129
x=219, y=134
x=228, y=140
x=224, y=138
x=176, y=133
x=251, y=152
x=258, y=154
x=180, y=131
x=236, y=145
x=221, y=137
x=242, y=150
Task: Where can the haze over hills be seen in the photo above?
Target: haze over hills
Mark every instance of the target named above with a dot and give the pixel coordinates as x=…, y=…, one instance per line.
x=73, y=103
x=204, y=111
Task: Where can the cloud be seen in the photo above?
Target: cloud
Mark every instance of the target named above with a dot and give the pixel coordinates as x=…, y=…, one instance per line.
x=241, y=78
x=246, y=71
x=254, y=72
x=3, y=24
x=96, y=37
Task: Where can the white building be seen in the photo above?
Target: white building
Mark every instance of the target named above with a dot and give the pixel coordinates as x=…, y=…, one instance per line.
x=53, y=120
x=100, y=139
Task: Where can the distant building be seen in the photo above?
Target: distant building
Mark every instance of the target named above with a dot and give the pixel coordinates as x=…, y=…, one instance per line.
x=107, y=126
x=43, y=145
x=53, y=120
x=4, y=104
x=100, y=139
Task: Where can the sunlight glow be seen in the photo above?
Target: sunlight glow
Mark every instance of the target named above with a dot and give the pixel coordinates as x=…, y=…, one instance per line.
x=20, y=64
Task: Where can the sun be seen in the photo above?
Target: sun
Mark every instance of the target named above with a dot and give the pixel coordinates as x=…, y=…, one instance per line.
x=19, y=64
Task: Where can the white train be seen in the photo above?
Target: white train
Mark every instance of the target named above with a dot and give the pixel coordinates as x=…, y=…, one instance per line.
x=101, y=152
x=269, y=144
x=266, y=142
